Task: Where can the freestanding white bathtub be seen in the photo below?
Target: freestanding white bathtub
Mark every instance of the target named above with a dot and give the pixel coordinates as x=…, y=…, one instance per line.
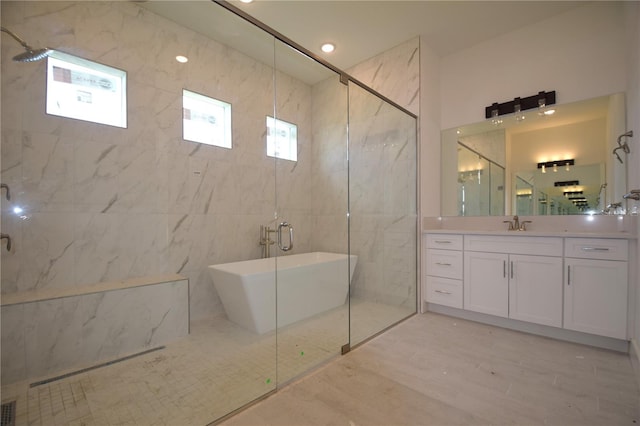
x=308, y=284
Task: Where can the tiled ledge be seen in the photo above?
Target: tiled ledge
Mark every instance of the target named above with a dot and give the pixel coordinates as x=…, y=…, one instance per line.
x=57, y=293
x=48, y=331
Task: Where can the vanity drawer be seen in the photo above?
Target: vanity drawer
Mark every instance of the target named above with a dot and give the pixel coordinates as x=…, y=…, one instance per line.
x=597, y=248
x=444, y=241
x=444, y=291
x=444, y=263
x=515, y=243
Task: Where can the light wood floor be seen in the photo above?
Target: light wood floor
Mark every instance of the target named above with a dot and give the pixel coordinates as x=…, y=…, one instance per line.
x=438, y=370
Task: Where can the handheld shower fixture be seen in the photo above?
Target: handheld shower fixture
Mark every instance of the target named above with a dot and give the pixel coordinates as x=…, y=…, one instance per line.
x=31, y=54
x=623, y=145
x=617, y=155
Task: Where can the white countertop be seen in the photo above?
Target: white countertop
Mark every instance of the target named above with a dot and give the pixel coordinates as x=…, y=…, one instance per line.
x=568, y=234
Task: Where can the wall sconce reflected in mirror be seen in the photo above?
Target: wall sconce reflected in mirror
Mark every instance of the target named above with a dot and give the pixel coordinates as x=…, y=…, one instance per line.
x=494, y=118
x=554, y=165
x=517, y=109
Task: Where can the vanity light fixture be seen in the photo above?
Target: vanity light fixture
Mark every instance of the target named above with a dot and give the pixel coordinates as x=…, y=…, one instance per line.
x=567, y=183
x=530, y=102
x=554, y=165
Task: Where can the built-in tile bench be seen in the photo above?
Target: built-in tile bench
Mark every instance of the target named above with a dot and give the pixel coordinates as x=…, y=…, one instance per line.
x=50, y=331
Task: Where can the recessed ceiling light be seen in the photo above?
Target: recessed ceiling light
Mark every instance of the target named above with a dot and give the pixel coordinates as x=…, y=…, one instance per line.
x=328, y=47
x=182, y=59
x=246, y=1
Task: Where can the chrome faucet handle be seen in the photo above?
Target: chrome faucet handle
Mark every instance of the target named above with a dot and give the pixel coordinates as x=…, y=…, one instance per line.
x=510, y=224
x=523, y=225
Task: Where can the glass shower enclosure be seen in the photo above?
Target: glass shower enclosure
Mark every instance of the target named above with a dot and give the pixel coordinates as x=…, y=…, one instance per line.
x=319, y=169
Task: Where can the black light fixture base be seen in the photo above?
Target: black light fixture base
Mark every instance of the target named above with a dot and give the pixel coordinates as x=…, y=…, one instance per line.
x=530, y=102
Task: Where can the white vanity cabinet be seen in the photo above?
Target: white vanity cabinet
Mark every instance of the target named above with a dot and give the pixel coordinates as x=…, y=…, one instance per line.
x=486, y=286
x=514, y=277
x=443, y=264
x=595, y=290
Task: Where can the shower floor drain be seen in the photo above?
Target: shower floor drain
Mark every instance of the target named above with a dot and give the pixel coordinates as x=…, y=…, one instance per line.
x=8, y=414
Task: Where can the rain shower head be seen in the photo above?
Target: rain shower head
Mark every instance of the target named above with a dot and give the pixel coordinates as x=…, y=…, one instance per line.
x=31, y=54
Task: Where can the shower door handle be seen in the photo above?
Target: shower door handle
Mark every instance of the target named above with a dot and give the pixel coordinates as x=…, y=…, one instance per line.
x=290, y=246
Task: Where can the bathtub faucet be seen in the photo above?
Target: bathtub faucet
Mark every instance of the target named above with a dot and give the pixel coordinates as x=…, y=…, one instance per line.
x=265, y=240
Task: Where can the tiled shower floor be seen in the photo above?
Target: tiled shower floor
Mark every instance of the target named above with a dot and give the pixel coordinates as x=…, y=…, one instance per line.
x=194, y=381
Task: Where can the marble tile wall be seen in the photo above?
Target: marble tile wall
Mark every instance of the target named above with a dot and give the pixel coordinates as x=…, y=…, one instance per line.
x=44, y=338
x=103, y=203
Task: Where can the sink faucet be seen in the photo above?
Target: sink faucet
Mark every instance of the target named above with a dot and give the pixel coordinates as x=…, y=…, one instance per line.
x=516, y=225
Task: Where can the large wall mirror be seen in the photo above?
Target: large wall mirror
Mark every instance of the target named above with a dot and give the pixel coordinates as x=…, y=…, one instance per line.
x=553, y=161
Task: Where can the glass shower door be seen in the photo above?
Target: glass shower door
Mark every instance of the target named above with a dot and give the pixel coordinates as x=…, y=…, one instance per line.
x=308, y=141
x=382, y=210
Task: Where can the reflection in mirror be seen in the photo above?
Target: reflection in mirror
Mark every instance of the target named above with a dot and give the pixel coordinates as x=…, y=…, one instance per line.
x=480, y=184
x=547, y=163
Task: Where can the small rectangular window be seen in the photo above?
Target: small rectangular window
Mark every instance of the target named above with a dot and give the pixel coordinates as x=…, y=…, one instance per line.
x=85, y=90
x=206, y=120
x=282, y=139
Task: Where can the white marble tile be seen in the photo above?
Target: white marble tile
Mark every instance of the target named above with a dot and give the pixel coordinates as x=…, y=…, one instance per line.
x=13, y=344
x=204, y=301
x=96, y=176
x=11, y=224
x=46, y=251
x=142, y=244
x=191, y=242
x=79, y=331
x=47, y=173
x=138, y=181
x=98, y=247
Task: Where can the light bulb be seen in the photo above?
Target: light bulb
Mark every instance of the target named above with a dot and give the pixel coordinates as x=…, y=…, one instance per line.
x=328, y=47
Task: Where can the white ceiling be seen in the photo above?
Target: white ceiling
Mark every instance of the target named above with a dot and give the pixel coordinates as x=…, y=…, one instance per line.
x=362, y=29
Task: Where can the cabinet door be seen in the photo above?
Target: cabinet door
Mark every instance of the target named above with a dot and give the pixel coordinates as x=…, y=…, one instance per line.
x=535, y=289
x=486, y=287
x=595, y=297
